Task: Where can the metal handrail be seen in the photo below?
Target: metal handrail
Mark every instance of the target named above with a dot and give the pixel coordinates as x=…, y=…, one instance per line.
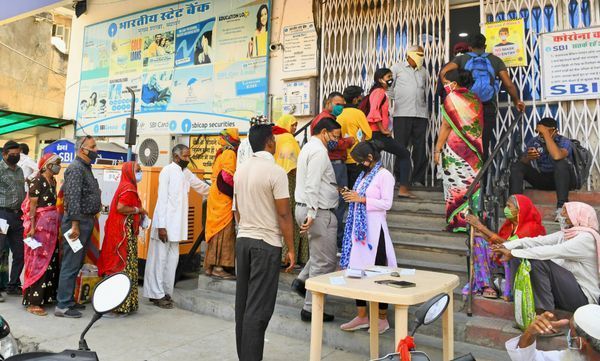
x=305, y=130
x=469, y=197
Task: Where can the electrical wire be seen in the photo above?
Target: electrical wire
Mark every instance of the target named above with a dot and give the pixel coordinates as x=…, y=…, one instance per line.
x=31, y=59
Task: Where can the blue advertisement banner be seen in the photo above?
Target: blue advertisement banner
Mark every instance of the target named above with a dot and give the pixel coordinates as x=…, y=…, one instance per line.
x=195, y=67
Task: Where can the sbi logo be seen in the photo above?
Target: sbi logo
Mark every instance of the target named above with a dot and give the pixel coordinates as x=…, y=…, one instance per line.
x=112, y=30
x=186, y=125
x=575, y=89
x=172, y=125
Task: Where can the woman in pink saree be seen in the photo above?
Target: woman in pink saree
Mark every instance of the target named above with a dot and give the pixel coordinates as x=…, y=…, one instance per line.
x=41, y=222
x=459, y=147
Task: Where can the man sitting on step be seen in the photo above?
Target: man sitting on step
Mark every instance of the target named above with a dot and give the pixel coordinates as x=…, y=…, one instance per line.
x=583, y=338
x=546, y=164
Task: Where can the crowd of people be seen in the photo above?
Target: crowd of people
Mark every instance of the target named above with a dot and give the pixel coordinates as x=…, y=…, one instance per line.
x=319, y=207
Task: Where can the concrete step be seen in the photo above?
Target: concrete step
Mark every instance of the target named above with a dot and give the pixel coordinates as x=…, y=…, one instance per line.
x=286, y=321
x=433, y=241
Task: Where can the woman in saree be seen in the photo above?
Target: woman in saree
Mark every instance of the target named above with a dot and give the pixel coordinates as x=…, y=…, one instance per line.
x=459, y=147
x=286, y=155
x=41, y=221
x=523, y=220
x=119, y=249
x=219, y=260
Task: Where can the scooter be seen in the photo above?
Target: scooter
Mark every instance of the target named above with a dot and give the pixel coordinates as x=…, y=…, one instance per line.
x=109, y=295
x=426, y=314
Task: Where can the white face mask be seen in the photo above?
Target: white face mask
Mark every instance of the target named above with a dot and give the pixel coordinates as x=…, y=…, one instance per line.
x=503, y=37
x=418, y=57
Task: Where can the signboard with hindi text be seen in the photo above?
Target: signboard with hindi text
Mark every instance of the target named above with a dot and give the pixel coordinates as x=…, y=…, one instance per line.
x=195, y=67
x=570, y=64
x=506, y=40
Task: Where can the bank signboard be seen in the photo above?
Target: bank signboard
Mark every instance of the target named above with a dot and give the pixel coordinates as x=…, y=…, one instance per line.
x=570, y=62
x=195, y=67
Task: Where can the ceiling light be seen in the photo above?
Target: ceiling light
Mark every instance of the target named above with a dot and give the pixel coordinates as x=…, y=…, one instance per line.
x=463, y=35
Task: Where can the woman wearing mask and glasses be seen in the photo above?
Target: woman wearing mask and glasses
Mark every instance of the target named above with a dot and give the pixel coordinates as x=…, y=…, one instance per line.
x=377, y=108
x=119, y=248
x=41, y=223
x=367, y=240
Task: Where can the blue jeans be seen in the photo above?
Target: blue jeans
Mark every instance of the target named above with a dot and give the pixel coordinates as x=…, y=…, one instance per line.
x=341, y=178
x=71, y=262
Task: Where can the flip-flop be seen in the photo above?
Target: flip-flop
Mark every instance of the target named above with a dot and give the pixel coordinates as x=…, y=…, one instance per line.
x=38, y=311
x=490, y=293
x=223, y=275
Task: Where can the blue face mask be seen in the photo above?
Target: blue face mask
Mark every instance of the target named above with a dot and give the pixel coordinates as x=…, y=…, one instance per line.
x=138, y=177
x=337, y=110
x=332, y=144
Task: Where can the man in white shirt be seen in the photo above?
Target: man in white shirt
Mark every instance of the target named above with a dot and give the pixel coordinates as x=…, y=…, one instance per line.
x=169, y=226
x=583, y=338
x=29, y=166
x=263, y=213
x=410, y=113
x=316, y=202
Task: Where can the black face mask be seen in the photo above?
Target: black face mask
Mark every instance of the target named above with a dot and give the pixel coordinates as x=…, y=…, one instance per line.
x=13, y=159
x=92, y=155
x=364, y=168
x=183, y=163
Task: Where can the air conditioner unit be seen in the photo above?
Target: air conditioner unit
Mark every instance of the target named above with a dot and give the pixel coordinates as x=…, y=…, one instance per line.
x=154, y=151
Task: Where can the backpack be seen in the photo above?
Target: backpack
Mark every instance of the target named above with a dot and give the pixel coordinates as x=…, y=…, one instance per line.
x=365, y=104
x=581, y=162
x=484, y=76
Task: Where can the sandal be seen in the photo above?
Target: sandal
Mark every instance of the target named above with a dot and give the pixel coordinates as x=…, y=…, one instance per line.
x=221, y=274
x=162, y=303
x=407, y=196
x=37, y=310
x=489, y=293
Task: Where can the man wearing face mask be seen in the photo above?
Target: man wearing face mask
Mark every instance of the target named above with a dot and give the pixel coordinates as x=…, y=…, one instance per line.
x=338, y=152
x=316, y=203
x=12, y=194
x=546, y=165
x=82, y=203
x=503, y=34
x=169, y=226
x=410, y=109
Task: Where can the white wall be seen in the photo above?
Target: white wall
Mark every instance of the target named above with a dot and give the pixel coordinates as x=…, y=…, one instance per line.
x=283, y=13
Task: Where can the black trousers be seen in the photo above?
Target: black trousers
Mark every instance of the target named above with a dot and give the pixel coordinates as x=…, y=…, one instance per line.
x=413, y=130
x=14, y=239
x=490, y=111
x=555, y=287
x=402, y=163
x=561, y=180
x=256, y=291
x=353, y=173
x=380, y=260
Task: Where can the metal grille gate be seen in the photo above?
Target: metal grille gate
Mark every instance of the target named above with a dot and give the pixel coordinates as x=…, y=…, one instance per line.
x=359, y=36
x=577, y=119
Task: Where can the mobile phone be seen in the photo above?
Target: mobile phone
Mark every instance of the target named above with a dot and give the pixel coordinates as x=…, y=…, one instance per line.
x=397, y=284
x=339, y=189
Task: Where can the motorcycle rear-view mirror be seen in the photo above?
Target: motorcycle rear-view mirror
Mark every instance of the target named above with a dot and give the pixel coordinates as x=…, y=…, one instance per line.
x=110, y=293
x=430, y=311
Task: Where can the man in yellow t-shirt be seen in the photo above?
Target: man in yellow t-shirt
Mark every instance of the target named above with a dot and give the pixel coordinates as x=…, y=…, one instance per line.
x=354, y=124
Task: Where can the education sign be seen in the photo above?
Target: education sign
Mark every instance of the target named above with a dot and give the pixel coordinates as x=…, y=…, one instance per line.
x=195, y=67
x=570, y=64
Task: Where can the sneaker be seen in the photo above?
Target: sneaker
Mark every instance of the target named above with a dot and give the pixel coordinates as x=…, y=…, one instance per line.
x=67, y=313
x=557, y=215
x=384, y=325
x=357, y=323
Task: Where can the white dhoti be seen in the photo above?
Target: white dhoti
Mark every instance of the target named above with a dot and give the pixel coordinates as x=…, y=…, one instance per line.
x=161, y=265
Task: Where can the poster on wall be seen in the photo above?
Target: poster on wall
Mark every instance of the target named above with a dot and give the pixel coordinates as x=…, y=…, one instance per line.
x=198, y=66
x=506, y=40
x=570, y=64
x=300, y=47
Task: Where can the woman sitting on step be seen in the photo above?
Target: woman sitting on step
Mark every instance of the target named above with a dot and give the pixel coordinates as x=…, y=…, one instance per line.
x=367, y=240
x=522, y=220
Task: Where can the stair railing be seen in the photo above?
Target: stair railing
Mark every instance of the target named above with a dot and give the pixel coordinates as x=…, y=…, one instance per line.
x=304, y=130
x=493, y=195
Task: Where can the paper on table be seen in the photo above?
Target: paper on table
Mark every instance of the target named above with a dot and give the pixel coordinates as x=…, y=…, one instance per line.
x=378, y=271
x=407, y=272
x=75, y=244
x=338, y=281
x=32, y=243
x=354, y=273
x=3, y=226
